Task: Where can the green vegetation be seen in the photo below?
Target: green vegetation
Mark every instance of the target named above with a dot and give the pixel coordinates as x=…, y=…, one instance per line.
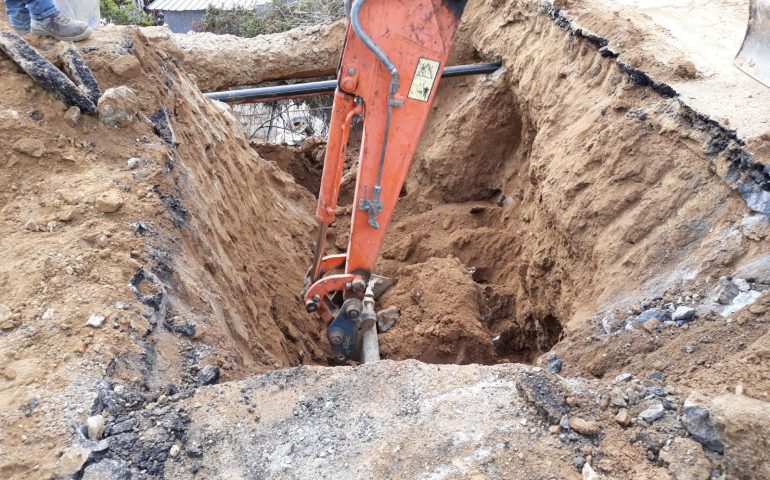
x=123, y=13
x=278, y=16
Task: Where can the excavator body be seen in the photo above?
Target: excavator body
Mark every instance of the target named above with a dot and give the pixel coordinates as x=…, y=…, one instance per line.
x=393, y=57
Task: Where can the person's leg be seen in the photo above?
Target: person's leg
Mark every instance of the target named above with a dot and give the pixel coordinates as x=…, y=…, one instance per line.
x=41, y=9
x=48, y=21
x=18, y=14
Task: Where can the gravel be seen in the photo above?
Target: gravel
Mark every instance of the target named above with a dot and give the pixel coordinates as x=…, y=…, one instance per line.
x=653, y=412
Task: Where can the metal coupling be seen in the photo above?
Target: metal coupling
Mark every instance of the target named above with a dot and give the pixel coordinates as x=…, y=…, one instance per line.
x=358, y=286
x=352, y=307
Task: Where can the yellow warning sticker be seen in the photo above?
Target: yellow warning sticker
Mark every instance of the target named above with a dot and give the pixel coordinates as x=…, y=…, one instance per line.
x=424, y=78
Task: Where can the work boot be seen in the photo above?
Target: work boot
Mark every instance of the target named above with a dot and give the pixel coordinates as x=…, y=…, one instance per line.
x=21, y=31
x=61, y=28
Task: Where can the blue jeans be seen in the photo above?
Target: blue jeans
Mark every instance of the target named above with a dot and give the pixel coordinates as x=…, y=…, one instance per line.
x=20, y=12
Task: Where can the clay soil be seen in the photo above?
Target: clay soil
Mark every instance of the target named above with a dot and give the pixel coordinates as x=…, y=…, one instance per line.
x=549, y=205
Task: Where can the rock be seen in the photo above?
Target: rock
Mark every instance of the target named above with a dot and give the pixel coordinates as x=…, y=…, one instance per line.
x=554, y=363
x=48, y=314
x=726, y=291
x=546, y=393
x=651, y=325
x=126, y=66
x=554, y=429
x=133, y=162
x=623, y=377
x=71, y=461
x=5, y=313
x=30, y=146
x=661, y=315
x=623, y=417
x=588, y=428
x=612, y=323
x=107, y=469
x=589, y=473
x=109, y=202
x=686, y=460
x=72, y=116
x=742, y=284
x=697, y=421
x=95, y=427
x=742, y=300
x=653, y=412
x=9, y=119
x=67, y=214
x=118, y=106
x=618, y=398
x=33, y=226
x=683, y=314
x=8, y=321
x=174, y=451
x=95, y=321
x=755, y=226
x=744, y=427
x=207, y=375
x=686, y=69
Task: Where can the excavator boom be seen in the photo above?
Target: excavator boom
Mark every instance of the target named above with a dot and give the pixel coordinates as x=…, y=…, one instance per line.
x=394, y=54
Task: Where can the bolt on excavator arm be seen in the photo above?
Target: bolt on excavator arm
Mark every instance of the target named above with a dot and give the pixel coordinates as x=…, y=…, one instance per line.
x=394, y=54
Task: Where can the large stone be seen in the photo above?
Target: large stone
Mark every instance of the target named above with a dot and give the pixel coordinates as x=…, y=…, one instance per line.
x=95, y=321
x=742, y=300
x=109, y=202
x=698, y=423
x=653, y=412
x=744, y=427
x=5, y=313
x=30, y=146
x=546, y=393
x=726, y=291
x=584, y=427
x=72, y=116
x=612, y=322
x=661, y=315
x=126, y=66
x=8, y=321
x=107, y=469
x=683, y=314
x=207, y=375
x=95, y=427
x=623, y=417
x=118, y=106
x=686, y=460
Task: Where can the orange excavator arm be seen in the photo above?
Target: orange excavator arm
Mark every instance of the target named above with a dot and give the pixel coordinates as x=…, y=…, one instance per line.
x=394, y=54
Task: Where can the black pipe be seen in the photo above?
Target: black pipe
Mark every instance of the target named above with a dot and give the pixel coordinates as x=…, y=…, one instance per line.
x=326, y=87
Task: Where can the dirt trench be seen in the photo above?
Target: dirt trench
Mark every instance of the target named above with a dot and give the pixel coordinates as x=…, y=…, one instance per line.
x=561, y=187
x=556, y=188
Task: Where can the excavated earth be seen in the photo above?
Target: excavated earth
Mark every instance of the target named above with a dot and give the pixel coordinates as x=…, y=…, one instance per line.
x=581, y=249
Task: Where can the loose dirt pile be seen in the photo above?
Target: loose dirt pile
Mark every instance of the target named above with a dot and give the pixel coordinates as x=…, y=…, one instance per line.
x=107, y=225
x=568, y=210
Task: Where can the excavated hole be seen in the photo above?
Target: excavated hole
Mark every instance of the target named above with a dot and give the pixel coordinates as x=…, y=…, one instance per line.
x=463, y=293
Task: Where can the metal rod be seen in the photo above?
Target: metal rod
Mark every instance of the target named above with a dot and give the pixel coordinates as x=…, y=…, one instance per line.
x=326, y=87
x=370, y=345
